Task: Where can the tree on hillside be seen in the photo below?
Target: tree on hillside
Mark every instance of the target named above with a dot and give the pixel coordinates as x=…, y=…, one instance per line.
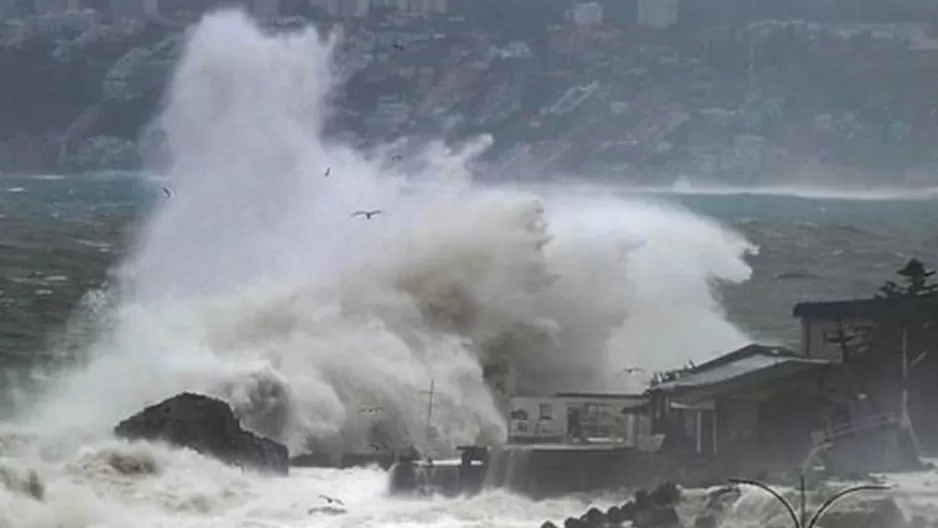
x=915, y=283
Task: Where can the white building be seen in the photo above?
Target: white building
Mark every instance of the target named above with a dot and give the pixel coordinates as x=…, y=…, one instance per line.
x=359, y=8
x=51, y=6
x=587, y=14
x=657, y=13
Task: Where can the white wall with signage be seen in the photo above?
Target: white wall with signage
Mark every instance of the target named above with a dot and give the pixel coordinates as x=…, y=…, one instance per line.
x=537, y=419
x=594, y=420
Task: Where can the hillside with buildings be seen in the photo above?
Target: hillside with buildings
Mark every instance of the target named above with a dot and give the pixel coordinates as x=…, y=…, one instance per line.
x=779, y=91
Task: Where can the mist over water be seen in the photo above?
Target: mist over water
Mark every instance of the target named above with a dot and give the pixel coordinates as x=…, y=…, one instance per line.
x=254, y=283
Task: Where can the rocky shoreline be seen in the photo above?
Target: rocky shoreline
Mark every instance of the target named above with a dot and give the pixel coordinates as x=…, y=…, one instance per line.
x=208, y=426
x=669, y=506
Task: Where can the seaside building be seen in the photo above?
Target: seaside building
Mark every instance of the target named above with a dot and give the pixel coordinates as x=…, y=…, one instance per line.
x=887, y=360
x=659, y=14
x=749, y=404
x=587, y=14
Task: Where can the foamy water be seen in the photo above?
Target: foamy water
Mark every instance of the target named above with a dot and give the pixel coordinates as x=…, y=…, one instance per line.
x=255, y=284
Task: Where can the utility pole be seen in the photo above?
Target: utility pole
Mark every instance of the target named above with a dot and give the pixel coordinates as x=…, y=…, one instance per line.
x=429, y=394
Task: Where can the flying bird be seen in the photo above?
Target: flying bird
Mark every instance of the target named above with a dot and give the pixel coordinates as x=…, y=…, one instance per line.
x=167, y=192
x=328, y=172
x=634, y=370
x=398, y=46
x=367, y=214
x=331, y=500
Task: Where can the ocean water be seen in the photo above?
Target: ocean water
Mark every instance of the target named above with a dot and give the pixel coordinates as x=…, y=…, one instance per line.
x=255, y=283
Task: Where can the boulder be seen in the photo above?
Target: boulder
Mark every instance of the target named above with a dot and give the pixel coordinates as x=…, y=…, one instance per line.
x=208, y=426
x=718, y=502
x=658, y=508
x=865, y=513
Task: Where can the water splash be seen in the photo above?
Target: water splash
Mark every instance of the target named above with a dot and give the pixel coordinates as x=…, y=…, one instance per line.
x=254, y=283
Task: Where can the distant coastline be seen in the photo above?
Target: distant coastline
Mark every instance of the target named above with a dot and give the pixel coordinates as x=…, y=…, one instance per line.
x=93, y=85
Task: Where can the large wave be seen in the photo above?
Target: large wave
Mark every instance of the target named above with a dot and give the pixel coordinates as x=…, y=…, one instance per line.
x=255, y=283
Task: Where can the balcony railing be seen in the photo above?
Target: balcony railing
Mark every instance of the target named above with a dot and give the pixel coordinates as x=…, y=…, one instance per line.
x=830, y=435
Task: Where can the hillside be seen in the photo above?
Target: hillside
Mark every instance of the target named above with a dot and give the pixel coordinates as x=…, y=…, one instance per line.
x=755, y=103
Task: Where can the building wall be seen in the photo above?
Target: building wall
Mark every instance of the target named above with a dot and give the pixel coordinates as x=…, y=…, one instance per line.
x=818, y=334
x=657, y=13
x=47, y=6
x=587, y=14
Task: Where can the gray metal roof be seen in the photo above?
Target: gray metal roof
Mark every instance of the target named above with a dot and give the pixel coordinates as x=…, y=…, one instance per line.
x=737, y=369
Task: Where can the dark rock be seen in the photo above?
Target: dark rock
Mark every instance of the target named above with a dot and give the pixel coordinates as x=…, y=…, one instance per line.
x=548, y=524
x=656, y=509
x=667, y=494
x=881, y=513
x=573, y=522
x=208, y=426
x=657, y=517
x=719, y=502
x=641, y=500
x=628, y=511
x=595, y=518
x=614, y=516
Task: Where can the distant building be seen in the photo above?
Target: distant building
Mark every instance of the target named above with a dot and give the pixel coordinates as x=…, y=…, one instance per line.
x=657, y=13
x=358, y=8
x=265, y=8
x=587, y=14
x=51, y=6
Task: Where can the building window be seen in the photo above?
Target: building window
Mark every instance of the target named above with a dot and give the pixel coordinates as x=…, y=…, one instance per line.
x=544, y=412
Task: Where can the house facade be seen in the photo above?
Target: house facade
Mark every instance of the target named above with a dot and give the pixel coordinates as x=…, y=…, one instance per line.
x=888, y=361
x=754, y=407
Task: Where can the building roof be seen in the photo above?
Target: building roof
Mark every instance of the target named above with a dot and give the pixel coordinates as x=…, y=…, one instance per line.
x=627, y=401
x=859, y=308
x=738, y=370
x=844, y=308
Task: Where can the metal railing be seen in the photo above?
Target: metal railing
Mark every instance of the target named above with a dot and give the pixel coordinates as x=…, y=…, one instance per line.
x=800, y=518
x=831, y=434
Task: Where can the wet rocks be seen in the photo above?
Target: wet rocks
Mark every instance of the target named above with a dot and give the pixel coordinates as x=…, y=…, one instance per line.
x=655, y=509
x=877, y=513
x=718, y=502
x=208, y=426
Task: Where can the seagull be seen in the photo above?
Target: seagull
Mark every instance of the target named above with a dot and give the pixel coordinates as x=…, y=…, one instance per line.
x=328, y=172
x=331, y=500
x=367, y=214
x=167, y=192
x=633, y=370
x=398, y=46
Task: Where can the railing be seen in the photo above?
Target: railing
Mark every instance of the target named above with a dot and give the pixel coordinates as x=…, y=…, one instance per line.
x=799, y=517
x=832, y=434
